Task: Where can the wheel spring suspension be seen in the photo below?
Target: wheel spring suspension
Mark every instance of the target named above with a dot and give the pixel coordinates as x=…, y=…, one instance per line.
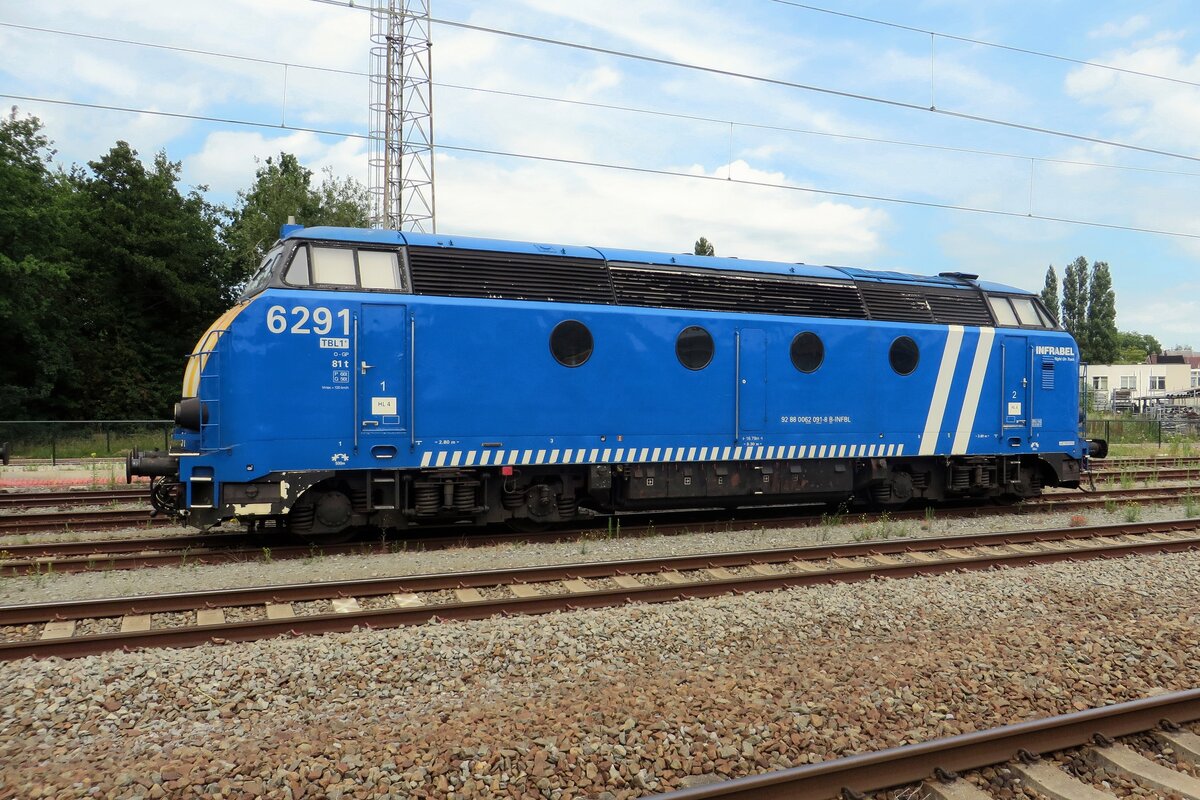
x=427, y=498
x=512, y=499
x=568, y=506
x=464, y=497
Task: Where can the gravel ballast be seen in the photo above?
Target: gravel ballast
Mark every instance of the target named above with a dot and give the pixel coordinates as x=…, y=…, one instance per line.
x=599, y=547
x=612, y=703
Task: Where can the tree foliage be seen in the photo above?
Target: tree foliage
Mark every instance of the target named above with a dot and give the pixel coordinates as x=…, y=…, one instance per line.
x=1089, y=313
x=704, y=247
x=111, y=272
x=1050, y=293
x=1075, y=300
x=1136, y=348
x=1101, y=316
x=35, y=268
x=283, y=188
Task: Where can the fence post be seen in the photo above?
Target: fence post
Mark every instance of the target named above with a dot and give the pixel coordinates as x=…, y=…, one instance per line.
x=1160, y=433
x=1108, y=430
x=166, y=438
x=53, y=446
x=107, y=440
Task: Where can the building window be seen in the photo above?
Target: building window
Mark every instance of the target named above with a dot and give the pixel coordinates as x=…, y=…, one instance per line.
x=904, y=355
x=1158, y=383
x=1129, y=382
x=808, y=351
x=571, y=343
x=1100, y=383
x=694, y=347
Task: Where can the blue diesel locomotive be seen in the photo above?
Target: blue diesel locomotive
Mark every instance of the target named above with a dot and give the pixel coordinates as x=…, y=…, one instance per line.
x=374, y=377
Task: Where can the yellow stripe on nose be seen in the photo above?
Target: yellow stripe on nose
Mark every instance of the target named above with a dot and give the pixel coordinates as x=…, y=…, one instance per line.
x=199, y=358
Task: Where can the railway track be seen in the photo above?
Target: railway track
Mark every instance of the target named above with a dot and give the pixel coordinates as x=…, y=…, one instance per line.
x=239, y=547
x=83, y=497
x=90, y=519
x=80, y=628
x=929, y=770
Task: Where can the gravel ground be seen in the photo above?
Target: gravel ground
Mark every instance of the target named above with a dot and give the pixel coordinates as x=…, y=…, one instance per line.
x=611, y=703
x=193, y=577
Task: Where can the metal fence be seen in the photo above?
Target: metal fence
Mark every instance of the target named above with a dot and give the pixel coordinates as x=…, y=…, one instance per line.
x=57, y=440
x=1132, y=430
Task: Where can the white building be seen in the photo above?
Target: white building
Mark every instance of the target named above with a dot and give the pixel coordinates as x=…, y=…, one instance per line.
x=1126, y=386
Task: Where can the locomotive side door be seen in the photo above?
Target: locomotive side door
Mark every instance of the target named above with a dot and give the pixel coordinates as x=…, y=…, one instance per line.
x=1014, y=403
x=751, y=389
x=382, y=371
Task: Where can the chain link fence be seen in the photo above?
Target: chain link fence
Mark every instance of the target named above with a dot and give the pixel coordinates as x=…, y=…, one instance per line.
x=69, y=440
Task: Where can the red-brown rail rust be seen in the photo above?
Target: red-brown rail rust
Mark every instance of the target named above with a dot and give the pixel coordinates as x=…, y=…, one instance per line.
x=541, y=604
x=873, y=772
x=371, y=587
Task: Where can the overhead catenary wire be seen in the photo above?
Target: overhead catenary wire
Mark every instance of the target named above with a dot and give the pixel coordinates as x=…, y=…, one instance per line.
x=611, y=106
x=784, y=83
x=985, y=43
x=623, y=168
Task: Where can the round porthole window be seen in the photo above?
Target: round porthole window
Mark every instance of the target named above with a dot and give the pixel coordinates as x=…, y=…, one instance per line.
x=808, y=351
x=571, y=343
x=904, y=355
x=694, y=347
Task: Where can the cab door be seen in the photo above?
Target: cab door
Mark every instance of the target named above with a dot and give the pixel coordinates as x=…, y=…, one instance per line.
x=1014, y=402
x=383, y=372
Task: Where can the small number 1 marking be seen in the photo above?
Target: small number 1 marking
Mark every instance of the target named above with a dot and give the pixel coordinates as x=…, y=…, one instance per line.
x=383, y=386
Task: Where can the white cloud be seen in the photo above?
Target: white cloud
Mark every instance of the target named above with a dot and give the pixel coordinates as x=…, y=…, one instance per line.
x=553, y=203
x=1120, y=30
x=1159, y=113
x=226, y=163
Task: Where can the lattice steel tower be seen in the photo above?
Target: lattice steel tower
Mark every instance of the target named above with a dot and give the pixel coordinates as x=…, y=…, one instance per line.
x=401, y=157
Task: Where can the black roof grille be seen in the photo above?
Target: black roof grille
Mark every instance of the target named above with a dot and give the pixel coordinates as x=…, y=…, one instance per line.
x=896, y=303
x=452, y=272
x=887, y=301
x=961, y=307
x=754, y=293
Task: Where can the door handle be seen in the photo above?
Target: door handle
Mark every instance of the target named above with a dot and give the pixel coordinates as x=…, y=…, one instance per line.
x=366, y=366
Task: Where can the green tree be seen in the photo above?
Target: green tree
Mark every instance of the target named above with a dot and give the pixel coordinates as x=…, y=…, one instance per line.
x=1075, y=301
x=153, y=277
x=283, y=188
x=703, y=247
x=34, y=270
x=1135, y=348
x=1050, y=293
x=1101, y=316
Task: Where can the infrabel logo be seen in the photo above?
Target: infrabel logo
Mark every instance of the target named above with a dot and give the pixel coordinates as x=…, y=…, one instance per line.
x=1048, y=350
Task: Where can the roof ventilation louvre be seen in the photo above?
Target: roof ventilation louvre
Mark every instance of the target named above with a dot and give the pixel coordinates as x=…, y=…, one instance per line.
x=508, y=276
x=754, y=293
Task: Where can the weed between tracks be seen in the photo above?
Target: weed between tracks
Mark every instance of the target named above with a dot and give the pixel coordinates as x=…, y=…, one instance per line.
x=1133, y=512
x=883, y=528
x=1191, y=505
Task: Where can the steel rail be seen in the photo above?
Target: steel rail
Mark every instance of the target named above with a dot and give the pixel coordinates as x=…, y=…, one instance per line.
x=138, y=553
x=537, y=604
x=897, y=766
x=11, y=524
x=72, y=498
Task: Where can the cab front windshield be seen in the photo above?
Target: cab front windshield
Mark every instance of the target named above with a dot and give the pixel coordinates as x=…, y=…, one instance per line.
x=262, y=276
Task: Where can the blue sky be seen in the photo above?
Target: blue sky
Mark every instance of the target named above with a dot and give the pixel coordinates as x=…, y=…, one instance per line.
x=1158, y=290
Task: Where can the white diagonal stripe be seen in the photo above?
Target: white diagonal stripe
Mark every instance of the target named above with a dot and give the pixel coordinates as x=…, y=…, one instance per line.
x=966, y=420
x=941, y=390
x=425, y=458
